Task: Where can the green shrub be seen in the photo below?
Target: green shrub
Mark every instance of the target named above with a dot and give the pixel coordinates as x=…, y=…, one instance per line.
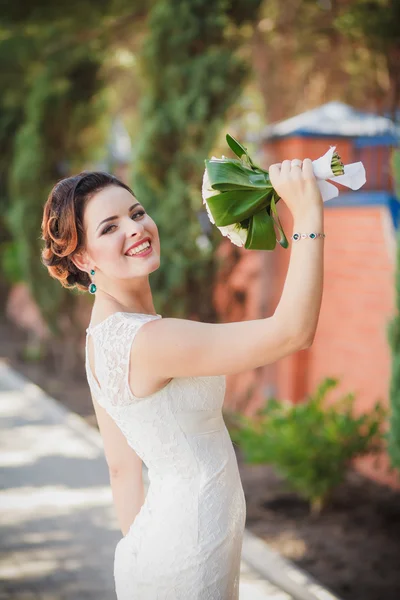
x=311, y=444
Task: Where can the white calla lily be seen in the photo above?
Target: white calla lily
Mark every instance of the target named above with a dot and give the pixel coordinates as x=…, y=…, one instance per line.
x=207, y=192
x=353, y=178
x=236, y=233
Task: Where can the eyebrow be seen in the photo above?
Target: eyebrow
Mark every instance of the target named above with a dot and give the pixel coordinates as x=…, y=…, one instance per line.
x=116, y=216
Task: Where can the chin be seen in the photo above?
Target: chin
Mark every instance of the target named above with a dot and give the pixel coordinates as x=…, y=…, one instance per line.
x=157, y=266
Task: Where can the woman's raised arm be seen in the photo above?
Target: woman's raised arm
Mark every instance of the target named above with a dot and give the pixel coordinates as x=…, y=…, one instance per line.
x=179, y=348
x=166, y=348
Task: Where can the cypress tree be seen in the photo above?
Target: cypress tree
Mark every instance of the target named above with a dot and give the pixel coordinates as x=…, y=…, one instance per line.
x=192, y=73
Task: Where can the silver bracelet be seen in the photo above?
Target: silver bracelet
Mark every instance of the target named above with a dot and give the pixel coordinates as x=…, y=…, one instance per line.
x=313, y=236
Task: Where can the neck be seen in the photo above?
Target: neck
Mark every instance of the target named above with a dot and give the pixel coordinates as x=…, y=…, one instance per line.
x=128, y=299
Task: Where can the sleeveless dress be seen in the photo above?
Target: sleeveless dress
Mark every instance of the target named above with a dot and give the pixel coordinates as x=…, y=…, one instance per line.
x=186, y=541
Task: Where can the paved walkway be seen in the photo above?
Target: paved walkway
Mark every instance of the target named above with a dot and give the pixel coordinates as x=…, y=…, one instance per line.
x=58, y=529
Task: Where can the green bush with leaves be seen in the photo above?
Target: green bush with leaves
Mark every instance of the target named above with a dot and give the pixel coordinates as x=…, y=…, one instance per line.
x=311, y=443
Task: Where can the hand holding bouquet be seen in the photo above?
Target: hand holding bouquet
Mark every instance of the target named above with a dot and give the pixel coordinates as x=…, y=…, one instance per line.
x=241, y=201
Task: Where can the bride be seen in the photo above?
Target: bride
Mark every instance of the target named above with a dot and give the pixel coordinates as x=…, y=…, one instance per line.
x=158, y=383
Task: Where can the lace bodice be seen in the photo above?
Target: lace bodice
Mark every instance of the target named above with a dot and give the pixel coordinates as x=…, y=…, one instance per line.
x=112, y=339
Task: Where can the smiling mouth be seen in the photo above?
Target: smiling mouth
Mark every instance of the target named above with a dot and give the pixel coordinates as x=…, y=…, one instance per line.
x=141, y=250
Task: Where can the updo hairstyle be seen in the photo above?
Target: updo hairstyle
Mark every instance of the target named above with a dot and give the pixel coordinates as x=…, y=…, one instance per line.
x=62, y=224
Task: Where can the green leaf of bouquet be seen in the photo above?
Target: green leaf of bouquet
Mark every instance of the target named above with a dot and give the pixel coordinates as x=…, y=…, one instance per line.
x=224, y=160
x=254, y=183
x=235, y=146
x=261, y=234
x=236, y=205
x=229, y=175
x=241, y=151
x=283, y=239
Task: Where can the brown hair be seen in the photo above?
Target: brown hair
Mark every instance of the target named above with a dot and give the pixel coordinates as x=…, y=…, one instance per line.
x=62, y=224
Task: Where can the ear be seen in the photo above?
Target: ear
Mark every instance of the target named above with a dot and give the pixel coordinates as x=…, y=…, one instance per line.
x=82, y=261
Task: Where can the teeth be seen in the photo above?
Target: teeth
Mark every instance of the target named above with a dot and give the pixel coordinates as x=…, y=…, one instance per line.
x=139, y=248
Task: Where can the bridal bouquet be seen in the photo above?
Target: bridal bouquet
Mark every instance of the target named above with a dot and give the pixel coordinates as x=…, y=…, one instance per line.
x=241, y=201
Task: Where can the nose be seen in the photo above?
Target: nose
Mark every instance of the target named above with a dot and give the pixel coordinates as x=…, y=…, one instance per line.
x=134, y=228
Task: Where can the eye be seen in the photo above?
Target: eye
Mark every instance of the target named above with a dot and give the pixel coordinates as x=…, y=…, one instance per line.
x=139, y=212
x=107, y=229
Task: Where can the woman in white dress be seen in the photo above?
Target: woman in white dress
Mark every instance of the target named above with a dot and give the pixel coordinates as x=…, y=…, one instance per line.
x=158, y=383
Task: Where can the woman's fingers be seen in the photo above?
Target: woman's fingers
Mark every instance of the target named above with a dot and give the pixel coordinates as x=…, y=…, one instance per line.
x=276, y=167
x=274, y=172
x=285, y=169
x=308, y=172
x=295, y=168
x=291, y=169
x=294, y=181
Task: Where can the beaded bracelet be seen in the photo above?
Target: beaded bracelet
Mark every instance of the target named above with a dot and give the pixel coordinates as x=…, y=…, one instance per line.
x=298, y=236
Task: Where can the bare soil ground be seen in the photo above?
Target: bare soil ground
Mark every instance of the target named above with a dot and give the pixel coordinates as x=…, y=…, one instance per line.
x=353, y=547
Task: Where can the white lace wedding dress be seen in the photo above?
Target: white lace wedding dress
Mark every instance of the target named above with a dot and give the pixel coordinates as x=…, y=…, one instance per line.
x=185, y=543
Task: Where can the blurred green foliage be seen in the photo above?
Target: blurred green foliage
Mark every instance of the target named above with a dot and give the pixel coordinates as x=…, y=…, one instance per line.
x=54, y=117
x=191, y=74
x=393, y=333
x=311, y=443
x=375, y=24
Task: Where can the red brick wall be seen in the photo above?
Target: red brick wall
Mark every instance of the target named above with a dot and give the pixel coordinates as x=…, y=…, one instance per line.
x=351, y=340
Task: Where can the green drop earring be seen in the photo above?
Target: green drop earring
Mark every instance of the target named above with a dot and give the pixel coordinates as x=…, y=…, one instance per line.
x=92, y=286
